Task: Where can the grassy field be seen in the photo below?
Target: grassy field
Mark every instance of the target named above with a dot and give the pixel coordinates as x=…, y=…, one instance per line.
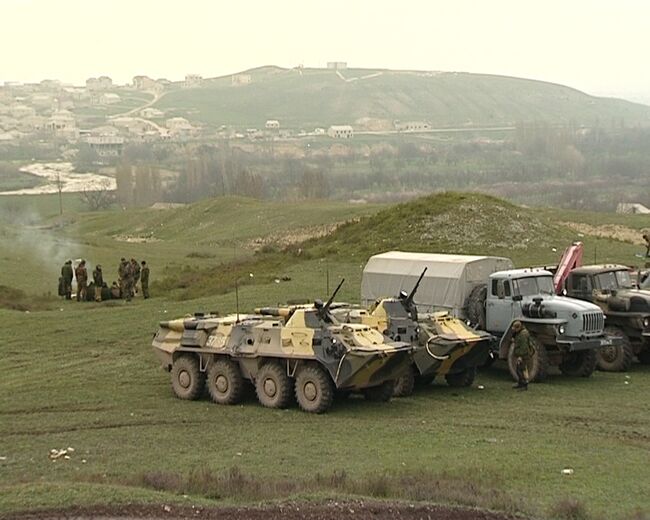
x=444, y=99
x=84, y=376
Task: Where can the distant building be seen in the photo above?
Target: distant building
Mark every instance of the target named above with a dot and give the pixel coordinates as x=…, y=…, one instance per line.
x=340, y=132
x=144, y=83
x=241, y=79
x=337, y=65
x=106, y=145
x=412, y=126
x=192, y=80
x=109, y=98
x=63, y=124
x=632, y=208
x=101, y=83
x=50, y=84
x=272, y=124
x=41, y=100
x=151, y=113
x=20, y=111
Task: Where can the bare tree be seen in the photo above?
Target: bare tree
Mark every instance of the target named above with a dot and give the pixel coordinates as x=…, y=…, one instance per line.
x=98, y=198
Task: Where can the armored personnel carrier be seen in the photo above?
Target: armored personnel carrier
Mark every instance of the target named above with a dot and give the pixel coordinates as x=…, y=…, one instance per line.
x=297, y=351
x=444, y=345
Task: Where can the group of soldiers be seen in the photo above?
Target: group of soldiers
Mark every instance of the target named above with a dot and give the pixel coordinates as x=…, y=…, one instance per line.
x=129, y=273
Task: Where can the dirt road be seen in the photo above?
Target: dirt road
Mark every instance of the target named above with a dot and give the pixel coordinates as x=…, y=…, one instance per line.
x=357, y=510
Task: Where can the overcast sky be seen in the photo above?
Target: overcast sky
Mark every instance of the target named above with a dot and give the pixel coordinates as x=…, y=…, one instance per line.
x=598, y=46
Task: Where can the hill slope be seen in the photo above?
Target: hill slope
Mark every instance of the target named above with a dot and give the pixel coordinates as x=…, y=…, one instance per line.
x=319, y=97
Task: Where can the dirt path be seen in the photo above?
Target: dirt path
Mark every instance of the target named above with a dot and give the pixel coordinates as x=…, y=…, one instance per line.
x=615, y=231
x=357, y=510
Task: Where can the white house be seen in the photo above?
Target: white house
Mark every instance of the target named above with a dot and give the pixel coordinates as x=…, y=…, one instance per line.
x=337, y=65
x=109, y=98
x=192, y=80
x=412, y=126
x=241, y=79
x=272, y=124
x=151, y=113
x=340, y=132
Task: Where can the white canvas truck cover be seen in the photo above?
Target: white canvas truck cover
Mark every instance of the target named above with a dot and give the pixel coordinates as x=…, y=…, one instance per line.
x=447, y=283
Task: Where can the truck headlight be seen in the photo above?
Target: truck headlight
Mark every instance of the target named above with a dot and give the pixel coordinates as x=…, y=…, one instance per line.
x=646, y=322
x=561, y=329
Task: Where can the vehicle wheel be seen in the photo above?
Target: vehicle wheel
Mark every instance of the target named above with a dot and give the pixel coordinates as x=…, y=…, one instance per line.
x=273, y=386
x=188, y=381
x=579, y=364
x=616, y=359
x=460, y=379
x=644, y=355
x=492, y=357
x=314, y=389
x=381, y=393
x=225, y=382
x=538, y=368
x=404, y=385
x=476, y=306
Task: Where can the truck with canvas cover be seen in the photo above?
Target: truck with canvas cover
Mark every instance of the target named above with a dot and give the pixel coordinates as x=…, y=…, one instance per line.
x=565, y=332
x=444, y=345
x=301, y=352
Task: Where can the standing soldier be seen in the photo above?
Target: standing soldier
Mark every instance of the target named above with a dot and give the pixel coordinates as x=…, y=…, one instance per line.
x=135, y=269
x=144, y=279
x=646, y=237
x=67, y=275
x=523, y=352
x=98, y=278
x=82, y=280
x=128, y=281
x=121, y=275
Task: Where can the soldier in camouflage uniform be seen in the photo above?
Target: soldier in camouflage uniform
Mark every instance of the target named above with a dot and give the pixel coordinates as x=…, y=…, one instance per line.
x=82, y=280
x=523, y=352
x=135, y=270
x=121, y=276
x=67, y=275
x=144, y=279
x=98, y=278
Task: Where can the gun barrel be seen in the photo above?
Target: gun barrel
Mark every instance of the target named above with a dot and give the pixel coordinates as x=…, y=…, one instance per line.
x=410, y=297
x=273, y=311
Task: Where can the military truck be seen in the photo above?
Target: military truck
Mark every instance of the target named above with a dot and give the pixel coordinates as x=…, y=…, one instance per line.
x=626, y=308
x=444, y=345
x=302, y=352
x=565, y=332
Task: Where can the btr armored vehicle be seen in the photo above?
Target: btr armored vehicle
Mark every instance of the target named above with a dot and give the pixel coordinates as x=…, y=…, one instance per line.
x=627, y=311
x=444, y=345
x=566, y=332
x=302, y=352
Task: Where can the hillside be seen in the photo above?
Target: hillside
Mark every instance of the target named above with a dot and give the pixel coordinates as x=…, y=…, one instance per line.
x=319, y=97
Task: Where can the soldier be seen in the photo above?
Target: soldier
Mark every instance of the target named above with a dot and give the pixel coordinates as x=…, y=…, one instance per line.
x=135, y=269
x=127, y=290
x=646, y=237
x=98, y=278
x=144, y=279
x=523, y=352
x=82, y=280
x=66, y=276
x=121, y=275
x=115, y=291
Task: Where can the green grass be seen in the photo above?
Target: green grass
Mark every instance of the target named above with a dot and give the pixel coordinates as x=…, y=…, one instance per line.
x=444, y=99
x=84, y=375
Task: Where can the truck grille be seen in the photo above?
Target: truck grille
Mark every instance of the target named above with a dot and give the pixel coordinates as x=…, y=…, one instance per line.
x=593, y=322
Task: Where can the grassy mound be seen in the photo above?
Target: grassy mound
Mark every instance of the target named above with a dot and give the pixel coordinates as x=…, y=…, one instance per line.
x=17, y=300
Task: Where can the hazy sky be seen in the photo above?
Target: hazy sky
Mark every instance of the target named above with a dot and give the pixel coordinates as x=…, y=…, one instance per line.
x=598, y=46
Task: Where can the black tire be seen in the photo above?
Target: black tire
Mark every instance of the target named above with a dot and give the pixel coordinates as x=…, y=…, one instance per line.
x=616, y=359
x=539, y=364
x=381, y=393
x=475, y=306
x=225, y=382
x=314, y=389
x=273, y=386
x=644, y=355
x=579, y=364
x=461, y=379
x=405, y=384
x=188, y=381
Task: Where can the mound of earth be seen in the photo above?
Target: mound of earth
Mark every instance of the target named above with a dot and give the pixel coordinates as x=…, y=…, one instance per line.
x=464, y=223
x=357, y=510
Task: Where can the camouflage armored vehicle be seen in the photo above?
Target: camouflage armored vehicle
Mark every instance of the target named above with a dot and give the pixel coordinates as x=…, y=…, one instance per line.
x=444, y=345
x=627, y=310
x=566, y=332
x=284, y=352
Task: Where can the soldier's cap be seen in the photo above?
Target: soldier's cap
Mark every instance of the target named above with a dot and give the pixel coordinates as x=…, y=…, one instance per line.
x=122, y=259
x=143, y=262
x=99, y=266
x=517, y=325
x=68, y=261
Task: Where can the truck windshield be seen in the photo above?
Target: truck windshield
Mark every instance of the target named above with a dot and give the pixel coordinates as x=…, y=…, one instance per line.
x=614, y=280
x=534, y=285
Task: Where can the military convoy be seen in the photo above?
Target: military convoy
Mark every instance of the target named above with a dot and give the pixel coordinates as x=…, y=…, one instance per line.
x=300, y=352
x=566, y=332
x=457, y=315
